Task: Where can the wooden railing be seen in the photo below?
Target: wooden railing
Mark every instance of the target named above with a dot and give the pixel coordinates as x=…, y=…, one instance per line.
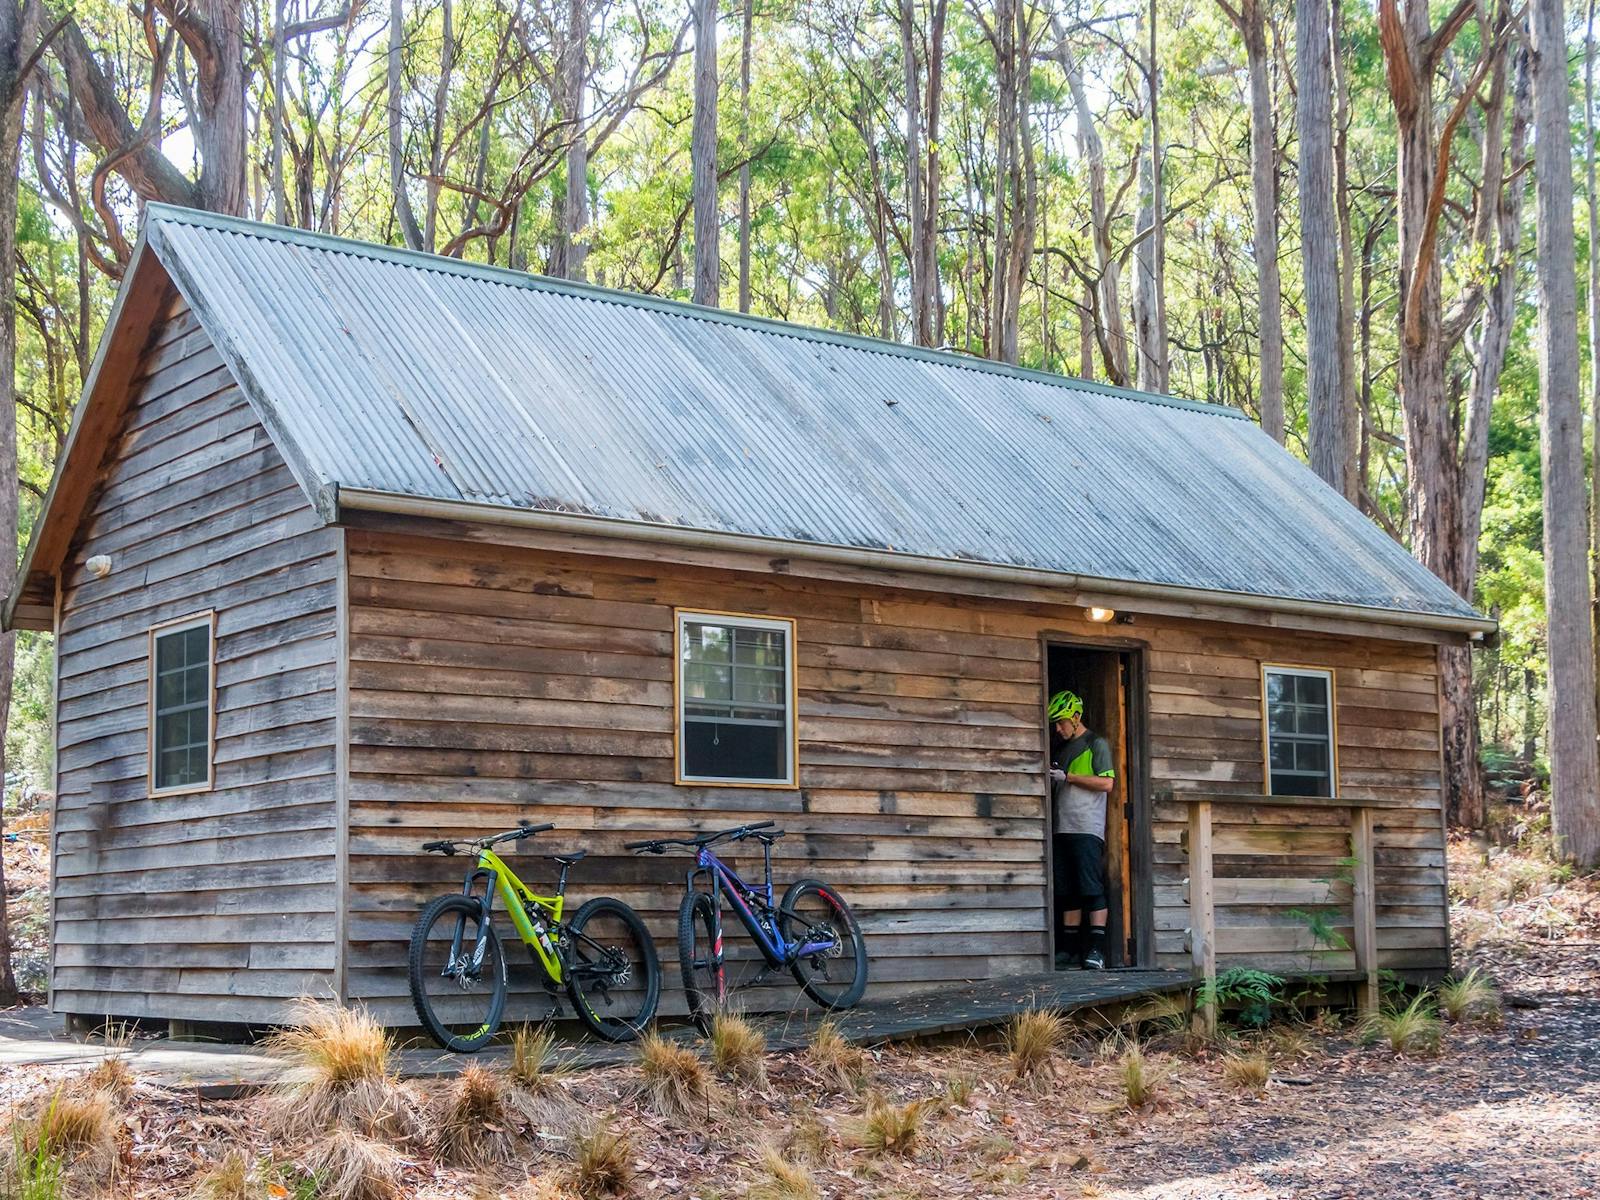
x=1202, y=881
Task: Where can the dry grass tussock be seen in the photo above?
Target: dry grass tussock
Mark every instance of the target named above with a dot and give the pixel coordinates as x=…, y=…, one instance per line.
x=674, y=1078
x=1032, y=1038
x=536, y=1076
x=1247, y=1072
x=602, y=1163
x=237, y=1177
x=1470, y=997
x=66, y=1141
x=1139, y=1078
x=114, y=1073
x=349, y=1166
x=342, y=1079
x=841, y=1064
x=471, y=1122
x=888, y=1128
x=738, y=1048
x=1414, y=1030
x=780, y=1178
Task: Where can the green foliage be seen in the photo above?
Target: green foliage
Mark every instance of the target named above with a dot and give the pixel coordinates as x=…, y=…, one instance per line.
x=1252, y=992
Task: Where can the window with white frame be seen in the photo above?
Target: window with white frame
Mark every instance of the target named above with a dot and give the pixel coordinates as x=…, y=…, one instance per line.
x=181, y=712
x=735, y=699
x=1300, y=731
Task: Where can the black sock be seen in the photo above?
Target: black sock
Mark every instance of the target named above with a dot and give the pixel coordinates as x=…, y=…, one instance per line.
x=1096, y=940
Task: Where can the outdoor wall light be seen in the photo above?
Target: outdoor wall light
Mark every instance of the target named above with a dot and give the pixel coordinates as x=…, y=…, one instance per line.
x=1101, y=616
x=99, y=565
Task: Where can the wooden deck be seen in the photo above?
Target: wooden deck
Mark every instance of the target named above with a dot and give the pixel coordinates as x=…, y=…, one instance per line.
x=979, y=1005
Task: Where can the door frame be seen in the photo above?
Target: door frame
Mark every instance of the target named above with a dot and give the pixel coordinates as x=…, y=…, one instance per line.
x=1141, y=848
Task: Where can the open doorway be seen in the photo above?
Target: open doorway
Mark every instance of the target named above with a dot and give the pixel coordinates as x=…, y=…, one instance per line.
x=1105, y=678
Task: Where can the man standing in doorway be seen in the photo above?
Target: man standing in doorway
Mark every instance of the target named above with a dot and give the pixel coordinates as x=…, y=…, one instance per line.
x=1082, y=772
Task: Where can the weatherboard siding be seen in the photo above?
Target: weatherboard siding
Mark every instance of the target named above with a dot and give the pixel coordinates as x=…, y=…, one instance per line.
x=216, y=904
x=490, y=683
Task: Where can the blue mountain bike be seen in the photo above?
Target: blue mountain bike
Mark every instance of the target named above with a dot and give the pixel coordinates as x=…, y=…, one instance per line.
x=811, y=933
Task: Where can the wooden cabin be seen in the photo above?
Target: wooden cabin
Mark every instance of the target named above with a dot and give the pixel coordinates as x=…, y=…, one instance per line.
x=352, y=547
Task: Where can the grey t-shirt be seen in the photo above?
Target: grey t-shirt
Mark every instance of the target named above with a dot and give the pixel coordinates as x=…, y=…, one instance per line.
x=1081, y=809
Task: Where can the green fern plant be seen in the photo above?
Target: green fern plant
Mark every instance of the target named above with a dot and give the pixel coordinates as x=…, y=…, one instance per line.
x=1252, y=992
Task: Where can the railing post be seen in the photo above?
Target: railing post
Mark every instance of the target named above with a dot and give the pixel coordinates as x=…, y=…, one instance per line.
x=1364, y=906
x=1202, y=910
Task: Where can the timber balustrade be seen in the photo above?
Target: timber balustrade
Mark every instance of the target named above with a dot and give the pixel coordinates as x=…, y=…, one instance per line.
x=1202, y=883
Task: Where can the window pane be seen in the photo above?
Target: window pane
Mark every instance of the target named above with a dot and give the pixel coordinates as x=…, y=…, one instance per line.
x=705, y=643
x=1312, y=689
x=1280, y=718
x=1311, y=757
x=182, y=707
x=735, y=680
x=1299, y=727
x=721, y=750
x=1313, y=720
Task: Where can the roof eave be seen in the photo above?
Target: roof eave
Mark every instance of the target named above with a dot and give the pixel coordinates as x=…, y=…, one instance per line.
x=336, y=499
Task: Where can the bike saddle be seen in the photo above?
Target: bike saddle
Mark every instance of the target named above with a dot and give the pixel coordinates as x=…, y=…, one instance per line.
x=768, y=838
x=566, y=860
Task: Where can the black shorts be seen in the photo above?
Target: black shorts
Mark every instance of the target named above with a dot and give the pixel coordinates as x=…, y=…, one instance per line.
x=1080, y=871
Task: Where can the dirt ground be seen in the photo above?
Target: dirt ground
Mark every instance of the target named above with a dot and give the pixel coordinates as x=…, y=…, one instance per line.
x=1504, y=1110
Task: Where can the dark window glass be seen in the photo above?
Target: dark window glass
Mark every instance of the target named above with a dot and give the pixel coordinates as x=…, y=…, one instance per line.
x=182, y=675
x=735, y=681
x=1299, y=734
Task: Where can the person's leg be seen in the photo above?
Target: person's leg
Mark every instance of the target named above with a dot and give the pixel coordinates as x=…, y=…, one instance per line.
x=1067, y=949
x=1091, y=869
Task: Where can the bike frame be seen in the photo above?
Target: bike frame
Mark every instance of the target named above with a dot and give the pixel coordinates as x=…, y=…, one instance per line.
x=775, y=948
x=532, y=915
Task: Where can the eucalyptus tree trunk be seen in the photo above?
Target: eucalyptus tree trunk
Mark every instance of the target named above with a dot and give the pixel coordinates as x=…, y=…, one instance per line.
x=575, y=199
x=1504, y=188
x=19, y=25
x=404, y=217
x=1433, y=460
x=1110, y=332
x=1150, y=300
x=1319, y=239
x=1574, y=770
x=703, y=155
x=746, y=31
x=1593, y=205
x=1349, y=406
x=1250, y=18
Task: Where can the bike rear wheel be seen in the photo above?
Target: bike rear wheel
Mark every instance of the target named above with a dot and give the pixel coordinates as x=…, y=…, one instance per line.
x=705, y=976
x=812, y=912
x=459, y=997
x=612, y=972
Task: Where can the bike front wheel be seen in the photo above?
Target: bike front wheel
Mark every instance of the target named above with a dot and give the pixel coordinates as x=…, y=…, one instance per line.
x=813, y=917
x=705, y=977
x=613, y=974
x=458, y=984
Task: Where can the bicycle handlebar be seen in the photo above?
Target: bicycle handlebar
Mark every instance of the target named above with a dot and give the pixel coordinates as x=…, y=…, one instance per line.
x=659, y=845
x=524, y=830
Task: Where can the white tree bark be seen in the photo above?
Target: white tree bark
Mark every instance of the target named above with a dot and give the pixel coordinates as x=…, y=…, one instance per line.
x=1319, y=239
x=1574, y=770
x=703, y=155
x=1251, y=20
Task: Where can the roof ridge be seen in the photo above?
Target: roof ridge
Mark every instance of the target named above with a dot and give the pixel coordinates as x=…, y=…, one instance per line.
x=686, y=310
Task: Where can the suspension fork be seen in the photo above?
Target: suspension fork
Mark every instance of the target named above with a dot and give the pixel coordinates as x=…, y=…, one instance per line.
x=703, y=866
x=484, y=908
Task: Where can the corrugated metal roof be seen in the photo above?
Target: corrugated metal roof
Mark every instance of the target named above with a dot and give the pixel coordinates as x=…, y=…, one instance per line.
x=404, y=373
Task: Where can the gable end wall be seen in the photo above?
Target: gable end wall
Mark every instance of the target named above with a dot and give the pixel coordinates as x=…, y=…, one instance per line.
x=215, y=905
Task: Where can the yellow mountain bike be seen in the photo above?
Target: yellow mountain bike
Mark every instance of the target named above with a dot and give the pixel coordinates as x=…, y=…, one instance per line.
x=603, y=956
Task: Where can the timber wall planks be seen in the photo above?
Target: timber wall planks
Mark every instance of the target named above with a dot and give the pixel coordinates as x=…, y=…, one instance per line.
x=489, y=683
x=216, y=905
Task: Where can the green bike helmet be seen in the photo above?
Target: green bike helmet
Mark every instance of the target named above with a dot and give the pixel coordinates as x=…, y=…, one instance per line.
x=1064, y=706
